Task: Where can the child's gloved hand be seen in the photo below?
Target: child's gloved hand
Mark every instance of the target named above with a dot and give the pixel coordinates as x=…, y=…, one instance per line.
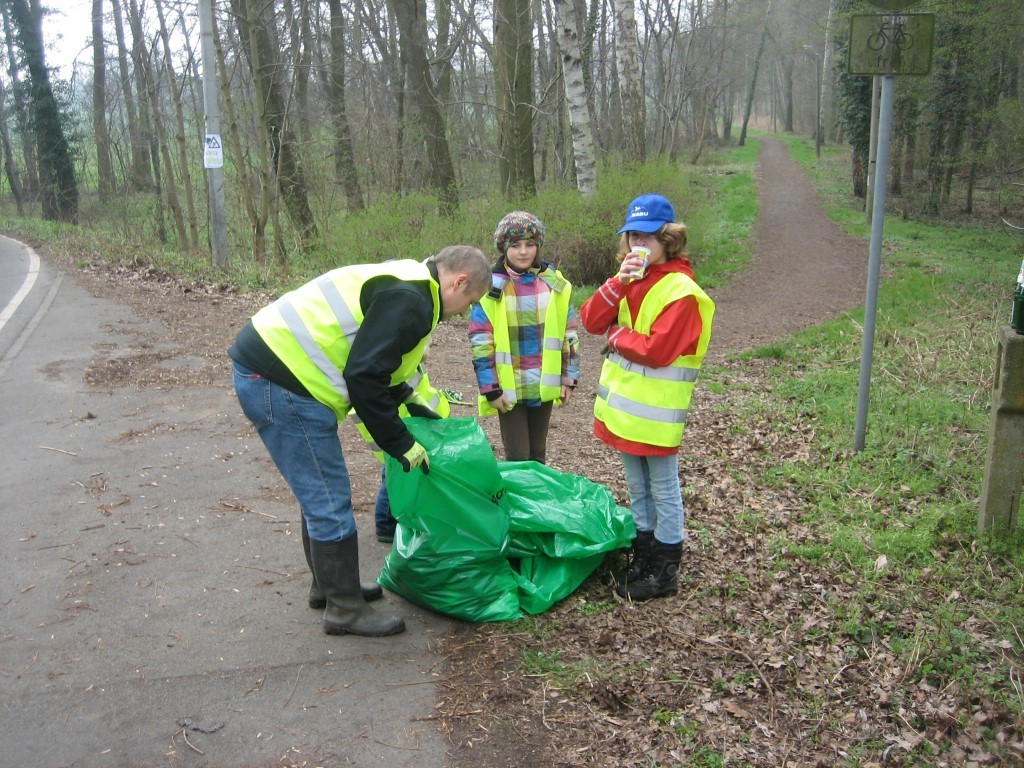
x=416, y=457
x=417, y=406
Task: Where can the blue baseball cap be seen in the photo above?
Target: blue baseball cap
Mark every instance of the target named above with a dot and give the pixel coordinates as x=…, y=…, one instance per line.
x=648, y=213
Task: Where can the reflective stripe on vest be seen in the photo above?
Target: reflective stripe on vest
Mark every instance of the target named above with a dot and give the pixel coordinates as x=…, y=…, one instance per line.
x=311, y=329
x=645, y=404
x=420, y=382
x=556, y=315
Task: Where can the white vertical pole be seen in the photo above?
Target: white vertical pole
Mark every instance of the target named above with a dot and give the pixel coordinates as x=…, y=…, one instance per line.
x=214, y=176
x=874, y=256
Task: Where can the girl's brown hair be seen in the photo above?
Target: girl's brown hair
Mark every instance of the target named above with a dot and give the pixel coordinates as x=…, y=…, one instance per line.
x=672, y=236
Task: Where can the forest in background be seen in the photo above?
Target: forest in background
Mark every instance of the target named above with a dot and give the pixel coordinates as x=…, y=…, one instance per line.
x=332, y=108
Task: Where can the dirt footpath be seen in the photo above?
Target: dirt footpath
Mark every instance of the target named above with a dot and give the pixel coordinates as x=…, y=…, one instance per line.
x=804, y=269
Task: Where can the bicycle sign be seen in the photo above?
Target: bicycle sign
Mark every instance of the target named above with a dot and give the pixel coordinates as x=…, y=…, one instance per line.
x=892, y=33
x=891, y=44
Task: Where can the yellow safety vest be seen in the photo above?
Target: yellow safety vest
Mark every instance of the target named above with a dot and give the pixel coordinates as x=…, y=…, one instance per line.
x=555, y=319
x=420, y=382
x=645, y=404
x=311, y=329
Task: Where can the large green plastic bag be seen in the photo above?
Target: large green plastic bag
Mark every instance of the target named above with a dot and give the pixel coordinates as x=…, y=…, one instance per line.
x=482, y=540
x=560, y=527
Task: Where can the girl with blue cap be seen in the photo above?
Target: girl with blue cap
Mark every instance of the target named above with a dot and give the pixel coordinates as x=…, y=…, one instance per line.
x=658, y=323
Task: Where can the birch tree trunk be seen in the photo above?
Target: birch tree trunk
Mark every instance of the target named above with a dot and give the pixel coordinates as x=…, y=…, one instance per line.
x=576, y=98
x=631, y=89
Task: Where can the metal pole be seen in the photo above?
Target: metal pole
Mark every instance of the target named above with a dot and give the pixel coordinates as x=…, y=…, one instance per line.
x=874, y=257
x=870, y=190
x=817, y=105
x=214, y=175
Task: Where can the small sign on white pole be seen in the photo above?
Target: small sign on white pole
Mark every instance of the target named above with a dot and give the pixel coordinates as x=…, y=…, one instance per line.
x=213, y=157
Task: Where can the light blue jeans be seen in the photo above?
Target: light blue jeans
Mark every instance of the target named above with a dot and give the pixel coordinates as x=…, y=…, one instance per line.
x=655, y=498
x=301, y=436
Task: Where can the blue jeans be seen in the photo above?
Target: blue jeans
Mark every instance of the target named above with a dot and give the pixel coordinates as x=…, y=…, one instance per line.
x=301, y=435
x=383, y=519
x=655, y=498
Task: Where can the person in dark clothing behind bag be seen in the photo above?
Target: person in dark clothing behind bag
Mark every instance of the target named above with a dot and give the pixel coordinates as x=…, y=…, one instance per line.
x=349, y=339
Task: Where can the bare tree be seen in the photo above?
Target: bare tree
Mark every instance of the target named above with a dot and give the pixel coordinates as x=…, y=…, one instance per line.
x=191, y=218
x=513, y=86
x=59, y=187
x=753, y=78
x=140, y=174
x=159, y=146
x=379, y=23
x=258, y=210
x=344, y=154
x=413, y=41
x=576, y=98
x=10, y=165
x=104, y=166
x=256, y=34
x=631, y=89
x=21, y=107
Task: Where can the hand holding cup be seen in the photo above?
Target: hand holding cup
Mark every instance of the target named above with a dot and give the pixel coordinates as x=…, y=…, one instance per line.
x=634, y=266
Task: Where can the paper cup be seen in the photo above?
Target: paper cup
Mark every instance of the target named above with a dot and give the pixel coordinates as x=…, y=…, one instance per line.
x=645, y=254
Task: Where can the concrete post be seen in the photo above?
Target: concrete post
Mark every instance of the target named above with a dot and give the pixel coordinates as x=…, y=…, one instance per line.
x=1004, y=465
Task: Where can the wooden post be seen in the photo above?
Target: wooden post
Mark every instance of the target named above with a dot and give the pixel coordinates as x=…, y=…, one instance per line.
x=1004, y=465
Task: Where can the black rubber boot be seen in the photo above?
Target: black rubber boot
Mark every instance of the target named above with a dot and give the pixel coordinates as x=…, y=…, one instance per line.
x=636, y=560
x=371, y=591
x=336, y=565
x=660, y=578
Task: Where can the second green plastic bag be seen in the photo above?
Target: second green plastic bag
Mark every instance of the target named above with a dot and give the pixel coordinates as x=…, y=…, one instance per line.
x=483, y=540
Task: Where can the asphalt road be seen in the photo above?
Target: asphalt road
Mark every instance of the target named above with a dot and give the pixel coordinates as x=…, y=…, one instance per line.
x=152, y=589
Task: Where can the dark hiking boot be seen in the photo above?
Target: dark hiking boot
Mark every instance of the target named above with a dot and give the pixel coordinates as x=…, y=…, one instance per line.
x=636, y=560
x=660, y=577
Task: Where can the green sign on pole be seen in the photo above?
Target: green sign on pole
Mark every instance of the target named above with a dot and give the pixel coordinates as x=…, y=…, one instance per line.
x=894, y=5
x=891, y=43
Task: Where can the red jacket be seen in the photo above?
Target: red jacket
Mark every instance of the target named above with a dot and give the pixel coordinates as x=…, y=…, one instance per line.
x=675, y=333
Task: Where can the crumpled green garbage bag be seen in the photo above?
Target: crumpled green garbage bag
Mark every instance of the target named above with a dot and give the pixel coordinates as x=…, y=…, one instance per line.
x=483, y=540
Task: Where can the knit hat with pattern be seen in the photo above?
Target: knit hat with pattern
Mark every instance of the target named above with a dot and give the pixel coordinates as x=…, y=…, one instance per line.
x=518, y=225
